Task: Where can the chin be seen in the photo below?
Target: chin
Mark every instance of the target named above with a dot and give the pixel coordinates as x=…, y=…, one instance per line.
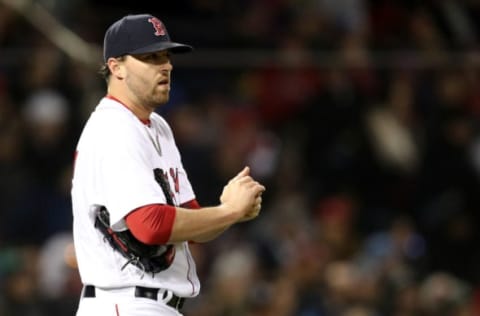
x=161, y=97
x=162, y=100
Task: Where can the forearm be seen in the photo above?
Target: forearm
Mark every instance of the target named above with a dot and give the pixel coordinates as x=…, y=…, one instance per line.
x=211, y=235
x=201, y=225
x=214, y=234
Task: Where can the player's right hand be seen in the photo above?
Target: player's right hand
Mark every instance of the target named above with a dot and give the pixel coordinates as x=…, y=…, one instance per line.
x=242, y=195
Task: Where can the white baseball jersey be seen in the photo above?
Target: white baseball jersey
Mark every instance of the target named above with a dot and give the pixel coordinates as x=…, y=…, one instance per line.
x=116, y=156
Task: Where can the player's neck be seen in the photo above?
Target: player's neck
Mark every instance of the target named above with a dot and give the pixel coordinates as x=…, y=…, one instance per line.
x=143, y=113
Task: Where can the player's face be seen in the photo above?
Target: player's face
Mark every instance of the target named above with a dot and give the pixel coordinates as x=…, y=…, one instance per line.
x=148, y=78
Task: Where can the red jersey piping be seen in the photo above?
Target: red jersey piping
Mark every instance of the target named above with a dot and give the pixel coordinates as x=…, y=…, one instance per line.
x=111, y=97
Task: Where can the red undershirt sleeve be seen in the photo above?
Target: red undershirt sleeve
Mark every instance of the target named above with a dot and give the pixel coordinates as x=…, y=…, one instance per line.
x=192, y=204
x=152, y=224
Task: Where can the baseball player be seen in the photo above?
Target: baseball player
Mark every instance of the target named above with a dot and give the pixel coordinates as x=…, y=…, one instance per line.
x=134, y=209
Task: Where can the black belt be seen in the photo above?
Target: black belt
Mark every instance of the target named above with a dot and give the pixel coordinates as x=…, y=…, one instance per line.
x=145, y=292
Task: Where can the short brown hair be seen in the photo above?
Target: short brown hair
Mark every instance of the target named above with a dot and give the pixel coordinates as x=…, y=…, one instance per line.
x=105, y=72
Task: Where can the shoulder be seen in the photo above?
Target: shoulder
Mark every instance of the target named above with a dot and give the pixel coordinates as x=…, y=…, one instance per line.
x=112, y=124
x=113, y=113
x=115, y=120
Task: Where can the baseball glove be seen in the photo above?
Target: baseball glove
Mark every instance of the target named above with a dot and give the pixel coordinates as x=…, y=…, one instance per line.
x=148, y=258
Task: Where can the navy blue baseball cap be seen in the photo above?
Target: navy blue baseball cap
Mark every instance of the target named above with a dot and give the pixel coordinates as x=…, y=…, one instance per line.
x=139, y=34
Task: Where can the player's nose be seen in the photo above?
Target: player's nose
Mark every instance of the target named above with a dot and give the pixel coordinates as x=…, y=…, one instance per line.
x=167, y=66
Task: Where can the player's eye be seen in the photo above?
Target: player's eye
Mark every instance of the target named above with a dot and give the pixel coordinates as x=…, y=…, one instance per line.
x=146, y=57
x=157, y=57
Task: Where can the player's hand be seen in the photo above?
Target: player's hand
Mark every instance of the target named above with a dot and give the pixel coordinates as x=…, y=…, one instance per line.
x=254, y=211
x=242, y=195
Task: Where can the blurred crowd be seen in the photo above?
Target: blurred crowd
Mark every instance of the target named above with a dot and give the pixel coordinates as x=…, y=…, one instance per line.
x=361, y=117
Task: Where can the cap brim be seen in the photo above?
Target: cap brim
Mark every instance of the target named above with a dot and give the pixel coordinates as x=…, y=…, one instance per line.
x=170, y=46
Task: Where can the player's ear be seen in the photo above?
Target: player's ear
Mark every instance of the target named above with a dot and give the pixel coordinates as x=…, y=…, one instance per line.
x=116, y=67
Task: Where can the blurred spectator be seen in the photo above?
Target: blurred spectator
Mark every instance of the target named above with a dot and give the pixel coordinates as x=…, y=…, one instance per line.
x=58, y=277
x=20, y=281
x=442, y=294
x=46, y=114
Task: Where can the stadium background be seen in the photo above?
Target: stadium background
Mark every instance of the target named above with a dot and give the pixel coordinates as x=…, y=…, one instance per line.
x=360, y=116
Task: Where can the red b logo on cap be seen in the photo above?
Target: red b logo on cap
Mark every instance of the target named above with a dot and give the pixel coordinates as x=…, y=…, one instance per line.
x=158, y=26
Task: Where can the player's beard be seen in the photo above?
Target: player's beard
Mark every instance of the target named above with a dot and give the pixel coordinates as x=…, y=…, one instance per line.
x=148, y=93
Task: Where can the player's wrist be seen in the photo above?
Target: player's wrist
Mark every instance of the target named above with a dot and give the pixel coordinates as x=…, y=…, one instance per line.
x=231, y=213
